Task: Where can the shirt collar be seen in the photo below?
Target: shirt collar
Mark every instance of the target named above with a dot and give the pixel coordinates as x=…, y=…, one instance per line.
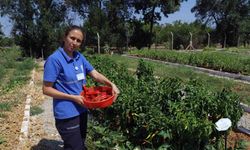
x=66, y=56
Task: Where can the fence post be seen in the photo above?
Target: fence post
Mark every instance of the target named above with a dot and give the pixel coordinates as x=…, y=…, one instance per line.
x=98, y=41
x=238, y=42
x=172, y=40
x=225, y=40
x=190, y=46
x=208, y=39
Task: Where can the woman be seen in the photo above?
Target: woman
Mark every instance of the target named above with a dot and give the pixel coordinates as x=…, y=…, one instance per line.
x=64, y=76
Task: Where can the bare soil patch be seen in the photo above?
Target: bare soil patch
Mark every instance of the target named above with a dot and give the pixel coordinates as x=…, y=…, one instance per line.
x=11, y=122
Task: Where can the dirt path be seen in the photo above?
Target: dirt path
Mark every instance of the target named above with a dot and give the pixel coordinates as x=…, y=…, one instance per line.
x=42, y=132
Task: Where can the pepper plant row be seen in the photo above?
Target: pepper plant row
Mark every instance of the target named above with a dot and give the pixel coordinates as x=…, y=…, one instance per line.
x=164, y=113
x=223, y=61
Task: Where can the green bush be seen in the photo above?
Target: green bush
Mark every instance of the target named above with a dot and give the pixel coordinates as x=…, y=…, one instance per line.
x=163, y=112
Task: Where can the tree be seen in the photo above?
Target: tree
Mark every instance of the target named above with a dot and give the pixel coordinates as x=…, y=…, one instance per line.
x=1, y=31
x=244, y=32
x=119, y=13
x=50, y=25
x=107, y=17
x=82, y=7
x=21, y=12
x=1, y=35
x=118, y=17
x=226, y=15
x=152, y=10
x=35, y=24
x=141, y=36
x=181, y=34
x=97, y=22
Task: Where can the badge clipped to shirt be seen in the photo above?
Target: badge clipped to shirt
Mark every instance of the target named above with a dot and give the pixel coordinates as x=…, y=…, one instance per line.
x=80, y=76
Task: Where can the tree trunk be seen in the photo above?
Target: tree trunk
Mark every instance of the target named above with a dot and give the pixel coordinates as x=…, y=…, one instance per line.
x=151, y=26
x=98, y=43
x=225, y=40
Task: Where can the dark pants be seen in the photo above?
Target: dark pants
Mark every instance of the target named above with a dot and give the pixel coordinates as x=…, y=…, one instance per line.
x=73, y=131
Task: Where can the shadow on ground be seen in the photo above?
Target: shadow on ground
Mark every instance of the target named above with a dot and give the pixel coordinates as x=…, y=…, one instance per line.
x=47, y=144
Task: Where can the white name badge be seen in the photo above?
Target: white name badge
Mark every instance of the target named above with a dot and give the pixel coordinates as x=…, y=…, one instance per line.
x=80, y=76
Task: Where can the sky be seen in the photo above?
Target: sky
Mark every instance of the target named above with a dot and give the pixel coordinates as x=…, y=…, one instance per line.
x=184, y=15
x=6, y=25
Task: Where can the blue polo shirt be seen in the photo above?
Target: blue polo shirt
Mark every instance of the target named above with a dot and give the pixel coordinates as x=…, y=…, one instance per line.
x=68, y=75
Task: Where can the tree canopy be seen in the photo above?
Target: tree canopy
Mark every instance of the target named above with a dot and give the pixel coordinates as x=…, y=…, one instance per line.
x=39, y=24
x=35, y=24
x=152, y=10
x=226, y=15
x=1, y=31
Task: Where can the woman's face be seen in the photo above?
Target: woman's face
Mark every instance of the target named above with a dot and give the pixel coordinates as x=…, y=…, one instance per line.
x=73, y=40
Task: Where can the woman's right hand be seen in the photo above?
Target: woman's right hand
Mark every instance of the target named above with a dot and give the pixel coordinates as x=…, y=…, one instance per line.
x=50, y=91
x=78, y=99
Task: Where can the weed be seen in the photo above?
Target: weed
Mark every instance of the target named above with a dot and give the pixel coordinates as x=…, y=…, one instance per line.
x=2, y=140
x=2, y=115
x=35, y=110
x=5, y=106
x=241, y=144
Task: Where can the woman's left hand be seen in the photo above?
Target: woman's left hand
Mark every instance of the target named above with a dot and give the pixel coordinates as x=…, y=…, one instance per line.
x=115, y=91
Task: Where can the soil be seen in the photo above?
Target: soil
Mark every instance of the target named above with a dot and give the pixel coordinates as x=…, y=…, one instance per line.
x=10, y=122
x=42, y=134
x=235, y=137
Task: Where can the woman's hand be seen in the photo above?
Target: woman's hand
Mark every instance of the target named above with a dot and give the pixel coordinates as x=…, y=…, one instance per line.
x=102, y=79
x=115, y=91
x=78, y=99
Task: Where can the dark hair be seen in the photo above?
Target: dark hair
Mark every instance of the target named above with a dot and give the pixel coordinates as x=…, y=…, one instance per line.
x=73, y=27
x=70, y=28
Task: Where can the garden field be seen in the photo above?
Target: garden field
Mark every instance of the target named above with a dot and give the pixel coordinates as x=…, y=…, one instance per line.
x=161, y=113
x=177, y=76
x=233, y=61
x=185, y=73
x=160, y=107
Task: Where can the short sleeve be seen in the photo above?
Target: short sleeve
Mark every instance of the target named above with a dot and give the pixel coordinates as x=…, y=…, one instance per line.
x=51, y=70
x=87, y=66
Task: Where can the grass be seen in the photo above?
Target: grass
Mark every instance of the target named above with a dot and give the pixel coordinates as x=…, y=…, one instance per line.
x=242, y=144
x=12, y=71
x=2, y=115
x=2, y=140
x=215, y=83
x=36, y=110
x=5, y=106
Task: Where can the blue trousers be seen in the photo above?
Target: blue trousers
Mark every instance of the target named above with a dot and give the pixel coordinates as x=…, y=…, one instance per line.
x=73, y=131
